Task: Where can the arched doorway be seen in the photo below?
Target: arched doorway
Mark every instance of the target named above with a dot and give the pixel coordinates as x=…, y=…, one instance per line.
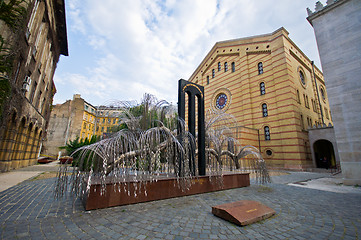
x=324, y=154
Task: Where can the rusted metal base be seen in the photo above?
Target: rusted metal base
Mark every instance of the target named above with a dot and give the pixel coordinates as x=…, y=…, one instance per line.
x=162, y=189
x=243, y=212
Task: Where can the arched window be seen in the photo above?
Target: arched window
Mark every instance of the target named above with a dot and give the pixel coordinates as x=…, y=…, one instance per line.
x=262, y=88
x=219, y=66
x=264, y=110
x=233, y=67
x=213, y=73
x=302, y=123
x=267, y=135
x=225, y=67
x=298, y=97
x=308, y=121
x=260, y=68
x=207, y=80
x=305, y=97
x=323, y=93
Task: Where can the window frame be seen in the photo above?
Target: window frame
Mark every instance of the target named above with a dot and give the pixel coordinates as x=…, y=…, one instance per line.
x=267, y=137
x=263, y=92
x=323, y=94
x=264, y=110
x=302, y=122
x=260, y=68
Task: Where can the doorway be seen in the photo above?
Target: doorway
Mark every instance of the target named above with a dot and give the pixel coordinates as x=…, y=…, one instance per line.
x=324, y=154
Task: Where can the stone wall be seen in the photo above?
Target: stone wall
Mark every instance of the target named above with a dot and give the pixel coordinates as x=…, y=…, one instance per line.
x=64, y=125
x=337, y=28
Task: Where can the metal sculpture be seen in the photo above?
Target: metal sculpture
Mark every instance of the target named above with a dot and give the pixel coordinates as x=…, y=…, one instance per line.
x=151, y=148
x=193, y=91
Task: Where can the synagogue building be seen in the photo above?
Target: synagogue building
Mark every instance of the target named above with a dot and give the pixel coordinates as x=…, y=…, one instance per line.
x=274, y=91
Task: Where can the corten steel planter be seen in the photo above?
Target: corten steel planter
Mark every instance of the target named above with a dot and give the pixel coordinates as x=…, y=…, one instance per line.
x=157, y=190
x=66, y=159
x=45, y=160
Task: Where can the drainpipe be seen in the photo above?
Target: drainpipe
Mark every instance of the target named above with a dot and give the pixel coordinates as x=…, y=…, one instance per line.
x=318, y=95
x=259, y=141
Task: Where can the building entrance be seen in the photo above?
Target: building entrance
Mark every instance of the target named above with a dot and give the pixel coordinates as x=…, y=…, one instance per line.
x=324, y=154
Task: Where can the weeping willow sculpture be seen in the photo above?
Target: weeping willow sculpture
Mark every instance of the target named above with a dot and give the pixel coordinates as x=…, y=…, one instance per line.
x=149, y=148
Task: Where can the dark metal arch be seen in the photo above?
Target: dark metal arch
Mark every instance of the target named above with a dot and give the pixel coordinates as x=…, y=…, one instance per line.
x=194, y=90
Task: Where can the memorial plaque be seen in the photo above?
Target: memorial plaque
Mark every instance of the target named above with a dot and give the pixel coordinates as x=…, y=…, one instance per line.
x=243, y=212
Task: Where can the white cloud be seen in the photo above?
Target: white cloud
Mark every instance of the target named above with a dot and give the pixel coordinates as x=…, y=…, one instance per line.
x=146, y=46
x=74, y=13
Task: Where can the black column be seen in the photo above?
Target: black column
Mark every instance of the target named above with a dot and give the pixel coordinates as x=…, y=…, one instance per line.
x=193, y=90
x=201, y=138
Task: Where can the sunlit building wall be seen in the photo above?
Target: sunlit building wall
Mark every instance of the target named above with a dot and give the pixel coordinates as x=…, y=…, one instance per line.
x=77, y=118
x=270, y=85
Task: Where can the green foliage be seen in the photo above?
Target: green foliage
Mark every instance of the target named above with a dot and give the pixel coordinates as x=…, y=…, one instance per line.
x=4, y=92
x=151, y=112
x=77, y=143
x=6, y=58
x=137, y=111
x=72, y=146
x=11, y=11
x=114, y=129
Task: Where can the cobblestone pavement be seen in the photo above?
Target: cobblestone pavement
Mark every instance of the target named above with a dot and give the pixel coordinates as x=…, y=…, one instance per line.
x=29, y=211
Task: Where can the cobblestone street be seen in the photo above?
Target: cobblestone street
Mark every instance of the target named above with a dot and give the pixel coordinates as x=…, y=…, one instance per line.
x=29, y=211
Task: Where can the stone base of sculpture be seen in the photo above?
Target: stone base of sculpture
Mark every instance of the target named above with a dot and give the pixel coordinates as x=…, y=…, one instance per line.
x=157, y=190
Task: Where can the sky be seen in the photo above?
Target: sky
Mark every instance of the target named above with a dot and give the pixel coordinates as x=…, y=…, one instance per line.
x=121, y=49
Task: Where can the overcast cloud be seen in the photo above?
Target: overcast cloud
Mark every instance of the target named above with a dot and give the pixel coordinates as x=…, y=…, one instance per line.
x=121, y=49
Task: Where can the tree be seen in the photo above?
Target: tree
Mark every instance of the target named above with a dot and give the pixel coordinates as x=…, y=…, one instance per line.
x=72, y=146
x=12, y=14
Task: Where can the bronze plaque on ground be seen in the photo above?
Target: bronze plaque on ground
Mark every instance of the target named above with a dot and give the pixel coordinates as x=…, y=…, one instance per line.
x=243, y=212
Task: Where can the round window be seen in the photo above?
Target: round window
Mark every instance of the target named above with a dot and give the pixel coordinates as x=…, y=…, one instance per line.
x=302, y=77
x=221, y=101
x=269, y=152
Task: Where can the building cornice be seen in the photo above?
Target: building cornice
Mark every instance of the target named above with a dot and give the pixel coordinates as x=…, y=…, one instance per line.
x=239, y=41
x=320, y=9
x=59, y=12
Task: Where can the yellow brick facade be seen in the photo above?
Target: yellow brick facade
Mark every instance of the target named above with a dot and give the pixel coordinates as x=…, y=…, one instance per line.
x=88, y=123
x=78, y=118
x=107, y=120
x=292, y=104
